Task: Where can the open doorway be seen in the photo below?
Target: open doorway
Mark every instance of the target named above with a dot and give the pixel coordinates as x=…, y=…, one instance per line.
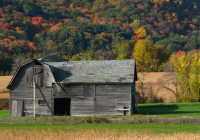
x=62, y=106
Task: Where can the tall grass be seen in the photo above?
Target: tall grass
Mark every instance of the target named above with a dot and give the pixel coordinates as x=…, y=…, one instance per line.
x=92, y=135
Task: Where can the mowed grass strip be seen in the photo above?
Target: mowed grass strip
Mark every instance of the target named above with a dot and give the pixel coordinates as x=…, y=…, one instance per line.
x=149, y=128
x=92, y=135
x=4, y=113
x=171, y=110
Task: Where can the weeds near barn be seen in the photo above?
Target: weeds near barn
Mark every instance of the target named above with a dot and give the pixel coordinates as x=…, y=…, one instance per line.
x=91, y=134
x=4, y=105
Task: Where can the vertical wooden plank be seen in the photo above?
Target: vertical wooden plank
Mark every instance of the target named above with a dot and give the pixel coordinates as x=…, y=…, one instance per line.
x=33, y=98
x=52, y=103
x=10, y=105
x=14, y=108
x=95, y=92
x=19, y=108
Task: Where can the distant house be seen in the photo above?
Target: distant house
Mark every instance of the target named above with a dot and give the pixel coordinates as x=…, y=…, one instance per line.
x=76, y=88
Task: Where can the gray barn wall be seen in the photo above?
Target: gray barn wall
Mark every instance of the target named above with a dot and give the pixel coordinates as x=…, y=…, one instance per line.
x=21, y=92
x=99, y=99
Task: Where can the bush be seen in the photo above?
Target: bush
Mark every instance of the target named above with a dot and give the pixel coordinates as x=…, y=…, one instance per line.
x=4, y=105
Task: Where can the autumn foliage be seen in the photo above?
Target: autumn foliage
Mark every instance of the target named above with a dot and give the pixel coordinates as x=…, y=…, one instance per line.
x=98, y=30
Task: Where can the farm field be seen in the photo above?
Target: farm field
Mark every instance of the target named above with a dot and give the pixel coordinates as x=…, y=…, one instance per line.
x=94, y=135
x=4, y=81
x=99, y=131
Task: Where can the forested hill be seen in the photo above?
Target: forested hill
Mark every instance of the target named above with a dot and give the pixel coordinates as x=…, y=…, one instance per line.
x=96, y=29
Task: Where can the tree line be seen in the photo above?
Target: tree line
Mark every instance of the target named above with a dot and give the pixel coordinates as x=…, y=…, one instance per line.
x=149, y=31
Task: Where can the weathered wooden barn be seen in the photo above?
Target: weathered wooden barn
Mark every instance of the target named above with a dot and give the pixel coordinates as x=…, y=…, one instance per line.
x=76, y=88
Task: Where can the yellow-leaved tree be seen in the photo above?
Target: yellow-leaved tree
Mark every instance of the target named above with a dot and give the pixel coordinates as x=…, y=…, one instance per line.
x=145, y=56
x=187, y=66
x=141, y=32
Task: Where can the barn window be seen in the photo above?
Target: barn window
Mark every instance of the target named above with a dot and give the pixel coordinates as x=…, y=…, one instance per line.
x=89, y=91
x=42, y=102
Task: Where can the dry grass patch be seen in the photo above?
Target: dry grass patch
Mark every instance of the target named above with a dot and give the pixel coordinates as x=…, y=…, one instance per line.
x=151, y=80
x=4, y=81
x=92, y=135
x=4, y=96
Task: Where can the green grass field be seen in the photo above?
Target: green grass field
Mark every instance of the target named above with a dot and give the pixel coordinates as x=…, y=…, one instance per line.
x=171, y=110
x=4, y=113
x=152, y=128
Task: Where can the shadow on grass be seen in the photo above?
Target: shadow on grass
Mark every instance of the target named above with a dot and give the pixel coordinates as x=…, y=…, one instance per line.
x=164, y=109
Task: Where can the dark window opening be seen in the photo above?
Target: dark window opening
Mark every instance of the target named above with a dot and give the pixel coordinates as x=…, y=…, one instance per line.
x=42, y=102
x=62, y=106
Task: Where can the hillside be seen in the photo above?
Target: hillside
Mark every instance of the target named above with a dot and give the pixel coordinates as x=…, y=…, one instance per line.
x=95, y=29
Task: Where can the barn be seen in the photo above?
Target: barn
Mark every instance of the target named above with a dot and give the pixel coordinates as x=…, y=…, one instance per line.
x=55, y=86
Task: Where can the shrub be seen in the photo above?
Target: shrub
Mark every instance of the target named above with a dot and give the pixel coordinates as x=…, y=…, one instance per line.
x=4, y=105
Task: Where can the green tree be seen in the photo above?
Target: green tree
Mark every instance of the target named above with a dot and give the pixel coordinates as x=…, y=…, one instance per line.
x=27, y=27
x=74, y=14
x=29, y=9
x=121, y=50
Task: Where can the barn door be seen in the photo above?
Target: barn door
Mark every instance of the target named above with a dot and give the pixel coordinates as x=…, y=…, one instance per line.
x=17, y=108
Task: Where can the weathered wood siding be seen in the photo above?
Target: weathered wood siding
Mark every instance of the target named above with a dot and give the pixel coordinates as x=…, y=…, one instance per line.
x=87, y=100
x=112, y=99
x=22, y=93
